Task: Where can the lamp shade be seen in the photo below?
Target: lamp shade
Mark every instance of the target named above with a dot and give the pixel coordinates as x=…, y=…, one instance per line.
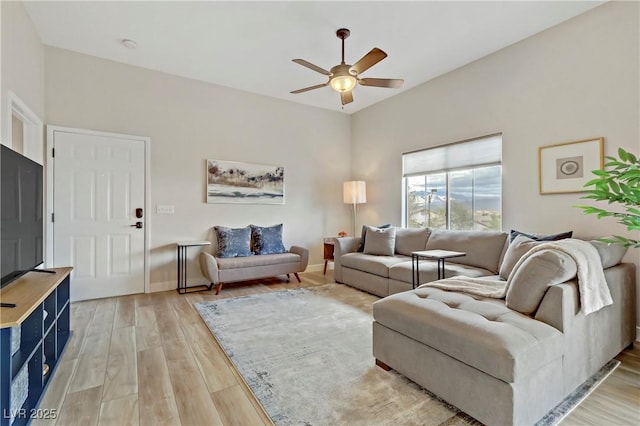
x=355, y=192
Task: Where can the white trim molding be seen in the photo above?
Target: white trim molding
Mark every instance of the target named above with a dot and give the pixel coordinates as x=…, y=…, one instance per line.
x=32, y=128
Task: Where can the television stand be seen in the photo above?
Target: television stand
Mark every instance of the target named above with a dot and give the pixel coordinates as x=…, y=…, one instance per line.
x=32, y=343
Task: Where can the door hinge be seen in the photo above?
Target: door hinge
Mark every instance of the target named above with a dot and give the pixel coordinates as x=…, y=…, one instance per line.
x=53, y=152
x=52, y=219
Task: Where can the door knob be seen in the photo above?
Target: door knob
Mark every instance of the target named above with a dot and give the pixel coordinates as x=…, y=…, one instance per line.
x=137, y=225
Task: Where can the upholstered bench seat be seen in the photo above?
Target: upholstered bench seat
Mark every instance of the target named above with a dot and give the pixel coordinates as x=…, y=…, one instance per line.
x=261, y=260
x=221, y=270
x=482, y=333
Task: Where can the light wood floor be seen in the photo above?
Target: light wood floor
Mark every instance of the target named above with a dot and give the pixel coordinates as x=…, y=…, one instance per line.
x=149, y=359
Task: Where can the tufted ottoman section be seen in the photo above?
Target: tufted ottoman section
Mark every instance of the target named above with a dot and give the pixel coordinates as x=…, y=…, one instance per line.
x=482, y=333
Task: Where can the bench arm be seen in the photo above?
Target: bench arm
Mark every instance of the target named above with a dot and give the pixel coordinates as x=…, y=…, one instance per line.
x=304, y=256
x=209, y=267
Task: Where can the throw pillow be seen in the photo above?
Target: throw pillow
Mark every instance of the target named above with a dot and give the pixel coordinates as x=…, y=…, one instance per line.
x=610, y=254
x=409, y=240
x=380, y=241
x=530, y=281
x=517, y=248
x=267, y=239
x=540, y=237
x=363, y=236
x=232, y=242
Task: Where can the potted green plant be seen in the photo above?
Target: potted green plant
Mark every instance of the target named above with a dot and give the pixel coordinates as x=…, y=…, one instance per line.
x=618, y=183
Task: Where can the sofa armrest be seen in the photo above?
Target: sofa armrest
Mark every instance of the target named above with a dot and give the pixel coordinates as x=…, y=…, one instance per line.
x=209, y=267
x=559, y=305
x=342, y=246
x=304, y=256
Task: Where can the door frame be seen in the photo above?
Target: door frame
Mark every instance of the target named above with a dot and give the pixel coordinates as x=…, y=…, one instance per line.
x=49, y=166
x=31, y=127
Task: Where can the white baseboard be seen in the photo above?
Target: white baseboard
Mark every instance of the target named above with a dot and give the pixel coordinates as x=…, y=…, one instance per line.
x=162, y=286
x=638, y=334
x=316, y=268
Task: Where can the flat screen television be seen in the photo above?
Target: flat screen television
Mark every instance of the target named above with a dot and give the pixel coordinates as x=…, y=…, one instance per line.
x=21, y=214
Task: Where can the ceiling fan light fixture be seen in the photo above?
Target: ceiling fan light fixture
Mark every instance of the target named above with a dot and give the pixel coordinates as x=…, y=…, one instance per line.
x=343, y=83
x=342, y=78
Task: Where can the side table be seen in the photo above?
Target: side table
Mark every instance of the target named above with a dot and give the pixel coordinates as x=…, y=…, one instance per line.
x=439, y=255
x=329, y=242
x=182, y=266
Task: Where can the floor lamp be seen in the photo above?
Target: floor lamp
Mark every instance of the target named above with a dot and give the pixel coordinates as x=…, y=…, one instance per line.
x=355, y=192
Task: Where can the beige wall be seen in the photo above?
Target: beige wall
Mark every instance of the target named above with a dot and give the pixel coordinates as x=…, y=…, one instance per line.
x=190, y=121
x=22, y=68
x=574, y=81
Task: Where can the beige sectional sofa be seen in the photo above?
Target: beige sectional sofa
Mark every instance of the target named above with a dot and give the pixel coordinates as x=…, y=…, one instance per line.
x=385, y=275
x=499, y=365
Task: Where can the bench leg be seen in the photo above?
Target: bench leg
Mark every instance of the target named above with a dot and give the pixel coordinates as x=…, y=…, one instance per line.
x=218, y=288
x=297, y=277
x=382, y=365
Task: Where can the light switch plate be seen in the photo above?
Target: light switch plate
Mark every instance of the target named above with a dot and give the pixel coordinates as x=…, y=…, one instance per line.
x=164, y=209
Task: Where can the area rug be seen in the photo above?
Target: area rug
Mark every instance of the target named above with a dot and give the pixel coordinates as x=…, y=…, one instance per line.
x=306, y=356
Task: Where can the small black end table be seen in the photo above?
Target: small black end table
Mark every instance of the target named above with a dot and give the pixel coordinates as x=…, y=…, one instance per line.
x=182, y=267
x=439, y=255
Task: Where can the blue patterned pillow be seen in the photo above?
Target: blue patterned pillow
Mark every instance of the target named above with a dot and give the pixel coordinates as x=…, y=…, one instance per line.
x=267, y=239
x=233, y=242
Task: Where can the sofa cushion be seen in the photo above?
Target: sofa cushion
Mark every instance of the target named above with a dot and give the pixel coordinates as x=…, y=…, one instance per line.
x=411, y=239
x=482, y=333
x=610, y=254
x=377, y=265
x=483, y=248
x=232, y=242
x=429, y=271
x=381, y=242
x=262, y=260
x=267, y=239
x=529, y=282
x=363, y=235
x=517, y=248
x=540, y=237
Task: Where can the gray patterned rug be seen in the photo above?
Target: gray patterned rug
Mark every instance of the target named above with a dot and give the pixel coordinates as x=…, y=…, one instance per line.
x=306, y=356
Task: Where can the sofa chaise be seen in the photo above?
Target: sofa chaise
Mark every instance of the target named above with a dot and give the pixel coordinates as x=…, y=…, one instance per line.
x=502, y=361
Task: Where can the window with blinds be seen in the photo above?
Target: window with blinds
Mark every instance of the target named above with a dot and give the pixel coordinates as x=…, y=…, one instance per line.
x=455, y=186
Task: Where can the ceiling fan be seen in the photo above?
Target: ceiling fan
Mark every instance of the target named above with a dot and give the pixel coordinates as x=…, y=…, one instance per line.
x=343, y=77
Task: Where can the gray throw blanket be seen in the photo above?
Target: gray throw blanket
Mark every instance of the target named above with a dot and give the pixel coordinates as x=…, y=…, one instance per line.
x=593, y=288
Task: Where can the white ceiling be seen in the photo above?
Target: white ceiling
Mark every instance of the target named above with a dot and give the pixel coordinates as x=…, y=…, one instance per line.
x=250, y=45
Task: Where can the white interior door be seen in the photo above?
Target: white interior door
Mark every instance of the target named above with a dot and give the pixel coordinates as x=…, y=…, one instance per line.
x=98, y=183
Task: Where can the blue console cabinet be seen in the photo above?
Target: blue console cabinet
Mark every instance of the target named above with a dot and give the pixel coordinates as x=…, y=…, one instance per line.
x=33, y=335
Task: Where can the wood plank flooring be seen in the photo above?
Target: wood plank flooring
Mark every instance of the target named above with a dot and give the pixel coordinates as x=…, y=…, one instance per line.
x=149, y=359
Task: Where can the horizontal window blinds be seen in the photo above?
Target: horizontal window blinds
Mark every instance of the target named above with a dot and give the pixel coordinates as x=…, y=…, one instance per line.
x=460, y=155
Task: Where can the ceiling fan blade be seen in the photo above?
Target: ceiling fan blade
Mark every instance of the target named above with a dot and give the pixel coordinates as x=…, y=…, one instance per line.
x=346, y=97
x=393, y=83
x=369, y=60
x=311, y=66
x=306, y=89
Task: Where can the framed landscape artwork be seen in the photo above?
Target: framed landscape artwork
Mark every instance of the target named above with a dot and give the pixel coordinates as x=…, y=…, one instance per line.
x=244, y=183
x=566, y=167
